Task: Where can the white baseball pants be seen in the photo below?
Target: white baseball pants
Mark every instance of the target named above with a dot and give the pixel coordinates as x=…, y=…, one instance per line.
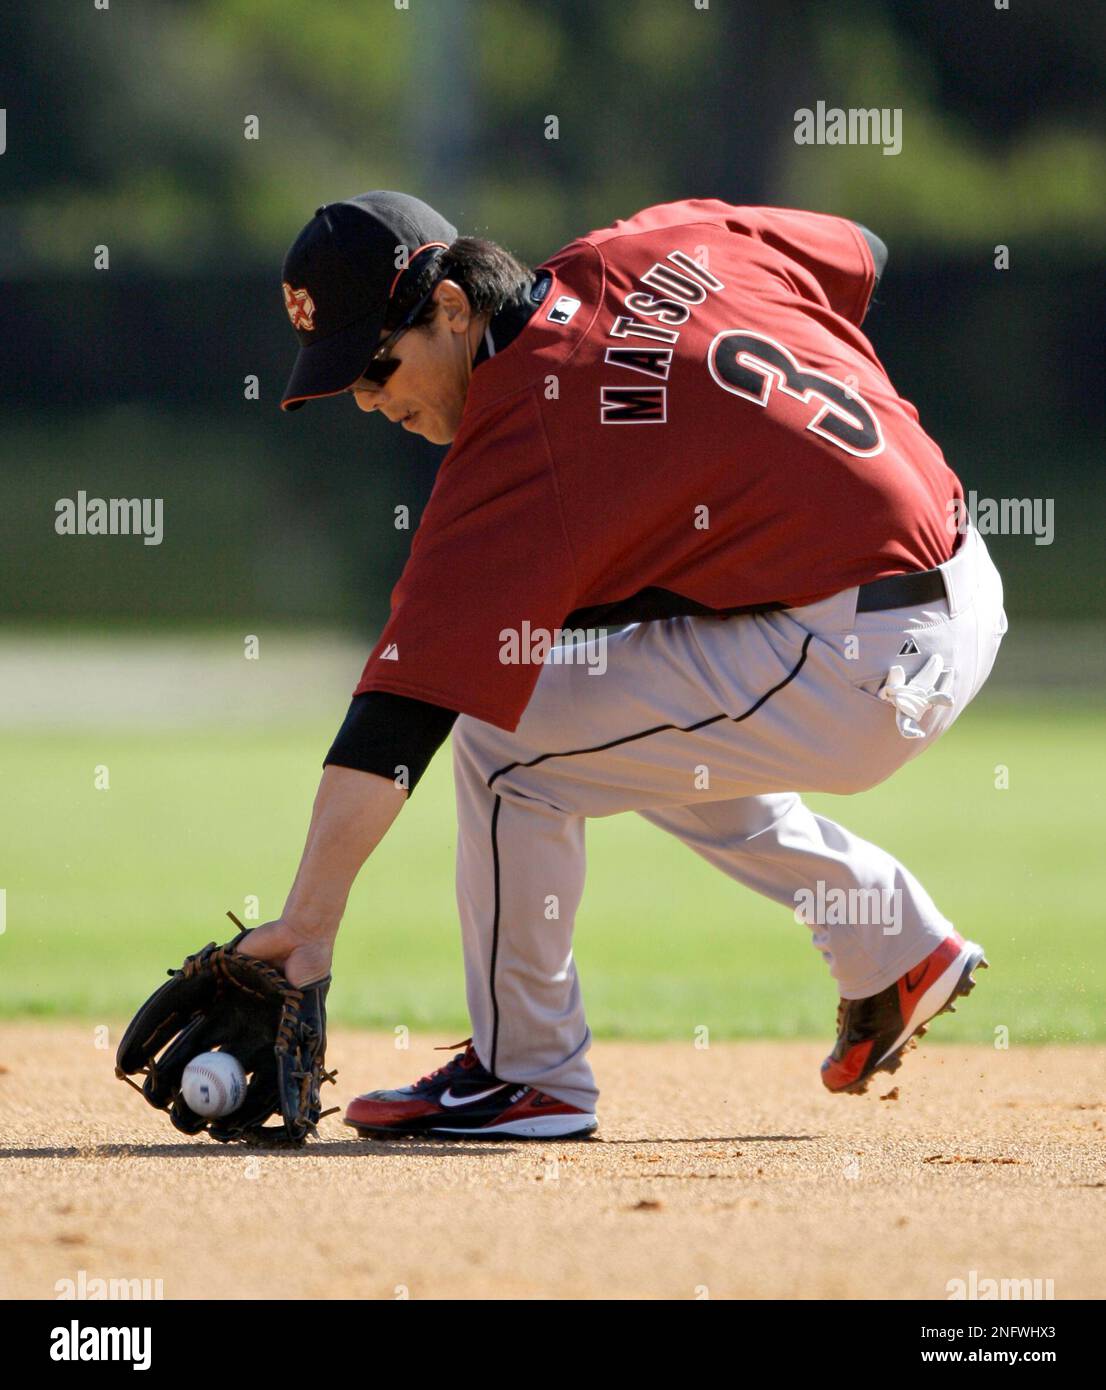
x=709, y=728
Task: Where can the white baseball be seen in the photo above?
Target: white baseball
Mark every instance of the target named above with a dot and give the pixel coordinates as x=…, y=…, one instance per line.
x=213, y=1083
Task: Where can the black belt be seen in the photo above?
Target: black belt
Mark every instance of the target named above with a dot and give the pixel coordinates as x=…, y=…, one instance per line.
x=900, y=591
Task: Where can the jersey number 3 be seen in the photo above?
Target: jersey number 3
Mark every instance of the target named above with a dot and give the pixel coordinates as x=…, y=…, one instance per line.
x=749, y=365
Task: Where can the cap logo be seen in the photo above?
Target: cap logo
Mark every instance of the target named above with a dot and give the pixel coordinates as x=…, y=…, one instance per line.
x=300, y=306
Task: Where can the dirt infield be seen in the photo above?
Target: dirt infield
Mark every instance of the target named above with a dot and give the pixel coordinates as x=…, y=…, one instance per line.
x=725, y=1172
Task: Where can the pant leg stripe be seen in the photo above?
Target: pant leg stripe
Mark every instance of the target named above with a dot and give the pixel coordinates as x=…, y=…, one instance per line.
x=495, y=935
x=577, y=752
x=664, y=728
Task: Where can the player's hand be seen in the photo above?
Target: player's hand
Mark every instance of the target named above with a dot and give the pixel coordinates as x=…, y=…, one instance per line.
x=303, y=953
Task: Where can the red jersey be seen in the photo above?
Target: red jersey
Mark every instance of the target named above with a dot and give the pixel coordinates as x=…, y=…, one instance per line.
x=692, y=411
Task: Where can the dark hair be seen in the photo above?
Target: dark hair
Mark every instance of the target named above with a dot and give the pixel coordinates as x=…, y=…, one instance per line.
x=489, y=275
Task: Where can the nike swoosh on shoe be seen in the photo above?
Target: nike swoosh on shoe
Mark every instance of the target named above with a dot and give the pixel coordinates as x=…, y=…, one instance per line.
x=912, y=985
x=448, y=1099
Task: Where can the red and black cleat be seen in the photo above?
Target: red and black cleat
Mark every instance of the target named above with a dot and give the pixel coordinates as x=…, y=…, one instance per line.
x=873, y=1033
x=462, y=1100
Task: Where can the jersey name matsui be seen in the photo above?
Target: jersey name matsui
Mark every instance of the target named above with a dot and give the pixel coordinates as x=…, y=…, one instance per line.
x=686, y=286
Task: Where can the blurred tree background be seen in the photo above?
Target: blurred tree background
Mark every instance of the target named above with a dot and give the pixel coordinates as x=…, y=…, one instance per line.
x=126, y=128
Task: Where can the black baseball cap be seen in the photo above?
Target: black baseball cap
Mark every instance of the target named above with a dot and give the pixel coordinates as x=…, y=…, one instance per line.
x=338, y=277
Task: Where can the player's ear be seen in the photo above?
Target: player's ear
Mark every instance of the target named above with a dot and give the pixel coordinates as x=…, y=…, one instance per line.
x=454, y=304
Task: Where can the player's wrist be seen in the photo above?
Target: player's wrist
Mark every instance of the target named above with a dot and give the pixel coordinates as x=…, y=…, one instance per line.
x=312, y=922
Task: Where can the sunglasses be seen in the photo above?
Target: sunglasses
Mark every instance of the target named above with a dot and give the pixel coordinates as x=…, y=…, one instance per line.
x=381, y=366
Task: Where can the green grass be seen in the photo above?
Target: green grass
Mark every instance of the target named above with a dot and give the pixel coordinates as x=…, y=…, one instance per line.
x=106, y=888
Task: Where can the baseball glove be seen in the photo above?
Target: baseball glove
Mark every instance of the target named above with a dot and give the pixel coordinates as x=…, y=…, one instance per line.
x=221, y=999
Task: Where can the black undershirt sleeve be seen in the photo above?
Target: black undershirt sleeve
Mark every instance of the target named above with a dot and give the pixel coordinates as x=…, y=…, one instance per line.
x=391, y=736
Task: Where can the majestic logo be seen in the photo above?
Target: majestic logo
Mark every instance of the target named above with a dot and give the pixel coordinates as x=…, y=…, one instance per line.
x=300, y=306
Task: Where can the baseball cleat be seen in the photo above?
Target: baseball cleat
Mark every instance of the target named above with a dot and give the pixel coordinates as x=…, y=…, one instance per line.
x=462, y=1100
x=873, y=1033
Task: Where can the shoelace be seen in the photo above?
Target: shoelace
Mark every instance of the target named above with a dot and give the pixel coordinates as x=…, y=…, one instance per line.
x=446, y=1066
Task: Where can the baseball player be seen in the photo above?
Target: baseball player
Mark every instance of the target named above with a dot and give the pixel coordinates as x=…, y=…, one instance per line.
x=689, y=555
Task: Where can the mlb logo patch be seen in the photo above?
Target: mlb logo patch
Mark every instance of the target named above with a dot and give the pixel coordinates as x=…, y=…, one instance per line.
x=563, y=310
